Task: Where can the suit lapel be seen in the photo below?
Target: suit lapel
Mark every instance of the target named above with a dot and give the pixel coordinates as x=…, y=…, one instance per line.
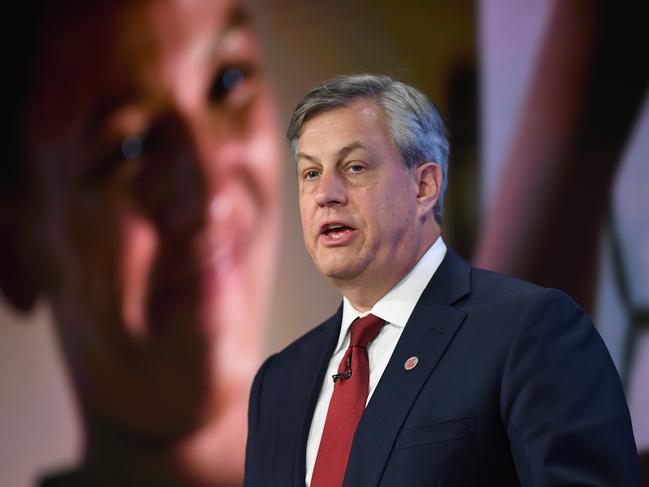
x=312, y=370
x=427, y=334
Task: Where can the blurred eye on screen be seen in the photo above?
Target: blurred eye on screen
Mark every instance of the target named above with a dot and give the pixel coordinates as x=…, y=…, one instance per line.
x=132, y=147
x=121, y=157
x=233, y=86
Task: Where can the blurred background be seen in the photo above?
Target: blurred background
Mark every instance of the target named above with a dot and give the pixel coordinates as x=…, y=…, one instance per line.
x=548, y=113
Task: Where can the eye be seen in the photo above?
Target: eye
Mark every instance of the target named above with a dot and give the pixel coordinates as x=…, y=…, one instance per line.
x=355, y=168
x=311, y=174
x=132, y=147
x=229, y=80
x=120, y=157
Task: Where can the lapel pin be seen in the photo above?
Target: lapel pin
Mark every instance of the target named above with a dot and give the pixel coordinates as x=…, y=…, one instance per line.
x=411, y=363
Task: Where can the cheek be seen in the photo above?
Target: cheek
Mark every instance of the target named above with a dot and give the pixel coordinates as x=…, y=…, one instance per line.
x=304, y=220
x=93, y=229
x=80, y=241
x=307, y=209
x=391, y=221
x=263, y=148
x=110, y=251
x=139, y=245
x=263, y=156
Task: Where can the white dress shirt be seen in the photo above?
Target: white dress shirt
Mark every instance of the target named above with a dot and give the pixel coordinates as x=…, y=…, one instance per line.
x=395, y=308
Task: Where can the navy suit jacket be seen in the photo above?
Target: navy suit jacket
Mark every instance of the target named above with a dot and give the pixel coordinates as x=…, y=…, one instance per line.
x=514, y=386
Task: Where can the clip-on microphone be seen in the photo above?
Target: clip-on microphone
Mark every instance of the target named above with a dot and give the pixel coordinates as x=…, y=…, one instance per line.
x=345, y=375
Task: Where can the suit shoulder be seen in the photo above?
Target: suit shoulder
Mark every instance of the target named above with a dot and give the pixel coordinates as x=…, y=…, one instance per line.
x=279, y=362
x=485, y=279
x=315, y=334
x=488, y=285
x=508, y=297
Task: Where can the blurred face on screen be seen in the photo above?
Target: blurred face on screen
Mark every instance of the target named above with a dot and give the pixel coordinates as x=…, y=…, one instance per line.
x=154, y=154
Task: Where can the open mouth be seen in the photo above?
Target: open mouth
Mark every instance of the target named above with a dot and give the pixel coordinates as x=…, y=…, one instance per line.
x=335, y=231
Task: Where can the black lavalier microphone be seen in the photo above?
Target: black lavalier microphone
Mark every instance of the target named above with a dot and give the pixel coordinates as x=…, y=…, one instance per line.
x=345, y=375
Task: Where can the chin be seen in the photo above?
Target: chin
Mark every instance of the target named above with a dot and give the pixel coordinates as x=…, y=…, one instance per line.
x=340, y=272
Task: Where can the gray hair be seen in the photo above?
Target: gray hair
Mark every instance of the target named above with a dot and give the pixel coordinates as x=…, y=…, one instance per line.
x=415, y=124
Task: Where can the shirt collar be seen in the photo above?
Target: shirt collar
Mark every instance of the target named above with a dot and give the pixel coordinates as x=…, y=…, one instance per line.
x=397, y=305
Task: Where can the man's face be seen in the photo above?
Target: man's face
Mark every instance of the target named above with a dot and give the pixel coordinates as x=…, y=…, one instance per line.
x=358, y=201
x=154, y=151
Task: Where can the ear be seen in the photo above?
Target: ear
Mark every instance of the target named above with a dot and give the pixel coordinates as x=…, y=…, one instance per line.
x=17, y=281
x=429, y=182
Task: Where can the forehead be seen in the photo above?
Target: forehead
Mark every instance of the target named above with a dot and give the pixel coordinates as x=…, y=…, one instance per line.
x=129, y=33
x=362, y=121
x=124, y=48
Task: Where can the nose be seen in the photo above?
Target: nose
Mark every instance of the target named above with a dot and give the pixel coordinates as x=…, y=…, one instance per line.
x=330, y=190
x=171, y=187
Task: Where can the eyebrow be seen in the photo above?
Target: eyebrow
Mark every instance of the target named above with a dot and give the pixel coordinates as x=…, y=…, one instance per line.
x=341, y=154
x=237, y=17
x=107, y=107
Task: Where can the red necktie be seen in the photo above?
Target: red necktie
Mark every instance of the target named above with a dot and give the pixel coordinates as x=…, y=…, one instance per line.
x=346, y=406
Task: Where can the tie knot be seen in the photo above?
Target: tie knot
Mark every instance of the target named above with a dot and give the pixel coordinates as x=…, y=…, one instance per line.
x=365, y=329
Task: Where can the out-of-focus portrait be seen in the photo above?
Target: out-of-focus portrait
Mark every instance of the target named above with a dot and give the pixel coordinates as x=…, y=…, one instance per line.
x=151, y=253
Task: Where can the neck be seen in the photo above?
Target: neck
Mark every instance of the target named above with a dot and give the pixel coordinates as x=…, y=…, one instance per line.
x=361, y=298
x=366, y=290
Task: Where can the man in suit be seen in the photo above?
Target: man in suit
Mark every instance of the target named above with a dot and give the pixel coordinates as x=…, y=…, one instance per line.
x=430, y=372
